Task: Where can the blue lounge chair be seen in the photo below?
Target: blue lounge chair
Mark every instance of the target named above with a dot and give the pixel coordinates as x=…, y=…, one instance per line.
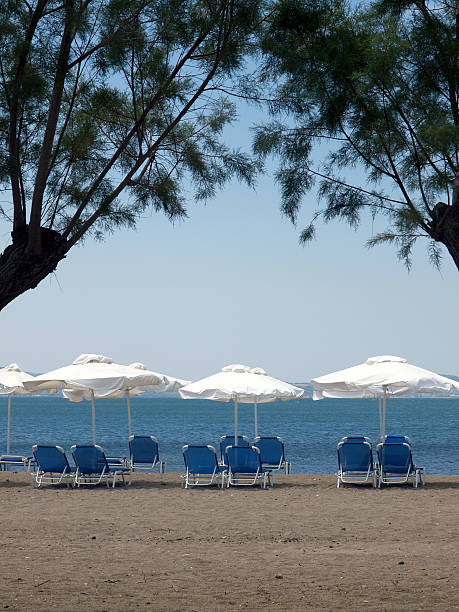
x=245, y=468
x=396, y=464
x=144, y=455
x=52, y=466
x=8, y=462
x=201, y=465
x=229, y=441
x=118, y=462
x=355, y=462
x=272, y=451
x=92, y=466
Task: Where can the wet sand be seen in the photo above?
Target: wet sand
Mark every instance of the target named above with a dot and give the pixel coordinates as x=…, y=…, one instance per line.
x=302, y=545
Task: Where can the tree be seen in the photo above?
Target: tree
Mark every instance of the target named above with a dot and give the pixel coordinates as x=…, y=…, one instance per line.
x=109, y=107
x=378, y=86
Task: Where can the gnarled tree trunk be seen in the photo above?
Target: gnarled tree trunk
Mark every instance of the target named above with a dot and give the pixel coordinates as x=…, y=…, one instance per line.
x=445, y=223
x=20, y=270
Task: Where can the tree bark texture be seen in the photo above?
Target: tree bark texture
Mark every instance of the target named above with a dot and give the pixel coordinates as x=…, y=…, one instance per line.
x=445, y=228
x=20, y=271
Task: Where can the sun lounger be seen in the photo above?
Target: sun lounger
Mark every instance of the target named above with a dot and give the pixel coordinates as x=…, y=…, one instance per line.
x=118, y=462
x=245, y=468
x=52, y=466
x=396, y=466
x=8, y=462
x=355, y=462
x=201, y=465
x=229, y=441
x=272, y=451
x=144, y=455
x=92, y=466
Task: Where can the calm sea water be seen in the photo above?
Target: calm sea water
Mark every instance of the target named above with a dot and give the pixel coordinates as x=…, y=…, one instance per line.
x=310, y=429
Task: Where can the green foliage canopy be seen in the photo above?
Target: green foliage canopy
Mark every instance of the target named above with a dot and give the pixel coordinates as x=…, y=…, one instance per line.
x=100, y=98
x=377, y=85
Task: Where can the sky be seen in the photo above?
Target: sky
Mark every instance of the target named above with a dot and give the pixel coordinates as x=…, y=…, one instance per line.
x=231, y=284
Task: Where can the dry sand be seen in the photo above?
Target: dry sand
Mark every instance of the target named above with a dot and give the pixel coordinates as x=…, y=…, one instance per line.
x=303, y=545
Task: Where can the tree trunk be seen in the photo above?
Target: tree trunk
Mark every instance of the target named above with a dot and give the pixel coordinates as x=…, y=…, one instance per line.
x=445, y=228
x=20, y=271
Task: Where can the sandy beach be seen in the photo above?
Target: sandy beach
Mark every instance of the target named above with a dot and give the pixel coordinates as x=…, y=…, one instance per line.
x=302, y=545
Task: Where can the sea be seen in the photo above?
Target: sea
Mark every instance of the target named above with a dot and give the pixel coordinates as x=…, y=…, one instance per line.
x=310, y=429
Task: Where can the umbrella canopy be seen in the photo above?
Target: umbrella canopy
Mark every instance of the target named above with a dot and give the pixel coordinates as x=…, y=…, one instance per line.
x=170, y=382
x=11, y=383
x=93, y=376
x=381, y=377
x=242, y=385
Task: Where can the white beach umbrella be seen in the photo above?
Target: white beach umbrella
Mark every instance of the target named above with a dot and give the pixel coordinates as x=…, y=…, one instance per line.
x=242, y=385
x=11, y=383
x=92, y=377
x=381, y=377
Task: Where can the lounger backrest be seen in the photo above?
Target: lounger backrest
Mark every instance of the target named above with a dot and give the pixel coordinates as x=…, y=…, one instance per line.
x=50, y=459
x=229, y=441
x=200, y=459
x=271, y=449
x=243, y=459
x=356, y=439
x=397, y=439
x=90, y=459
x=395, y=457
x=354, y=456
x=144, y=449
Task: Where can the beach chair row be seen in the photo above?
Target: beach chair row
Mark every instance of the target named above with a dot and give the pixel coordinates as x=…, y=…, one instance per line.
x=393, y=463
x=240, y=464
x=50, y=465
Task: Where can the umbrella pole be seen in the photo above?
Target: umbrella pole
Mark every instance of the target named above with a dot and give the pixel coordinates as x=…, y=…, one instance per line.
x=255, y=418
x=93, y=418
x=9, y=418
x=235, y=422
x=384, y=416
x=128, y=396
x=380, y=418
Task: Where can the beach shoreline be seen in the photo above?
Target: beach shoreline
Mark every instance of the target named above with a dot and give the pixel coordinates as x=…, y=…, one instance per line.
x=302, y=545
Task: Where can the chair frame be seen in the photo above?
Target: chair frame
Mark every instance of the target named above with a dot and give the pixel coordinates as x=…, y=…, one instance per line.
x=141, y=466
x=388, y=478
x=283, y=463
x=53, y=478
x=356, y=476
x=194, y=479
x=248, y=478
x=95, y=478
x=356, y=439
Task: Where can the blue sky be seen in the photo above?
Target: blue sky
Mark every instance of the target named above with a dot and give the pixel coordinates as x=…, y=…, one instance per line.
x=232, y=285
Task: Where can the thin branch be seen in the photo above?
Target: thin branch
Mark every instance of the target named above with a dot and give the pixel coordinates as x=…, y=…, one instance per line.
x=122, y=147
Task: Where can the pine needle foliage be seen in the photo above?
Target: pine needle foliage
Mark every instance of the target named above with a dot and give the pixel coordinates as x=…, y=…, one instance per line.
x=109, y=108
x=377, y=87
